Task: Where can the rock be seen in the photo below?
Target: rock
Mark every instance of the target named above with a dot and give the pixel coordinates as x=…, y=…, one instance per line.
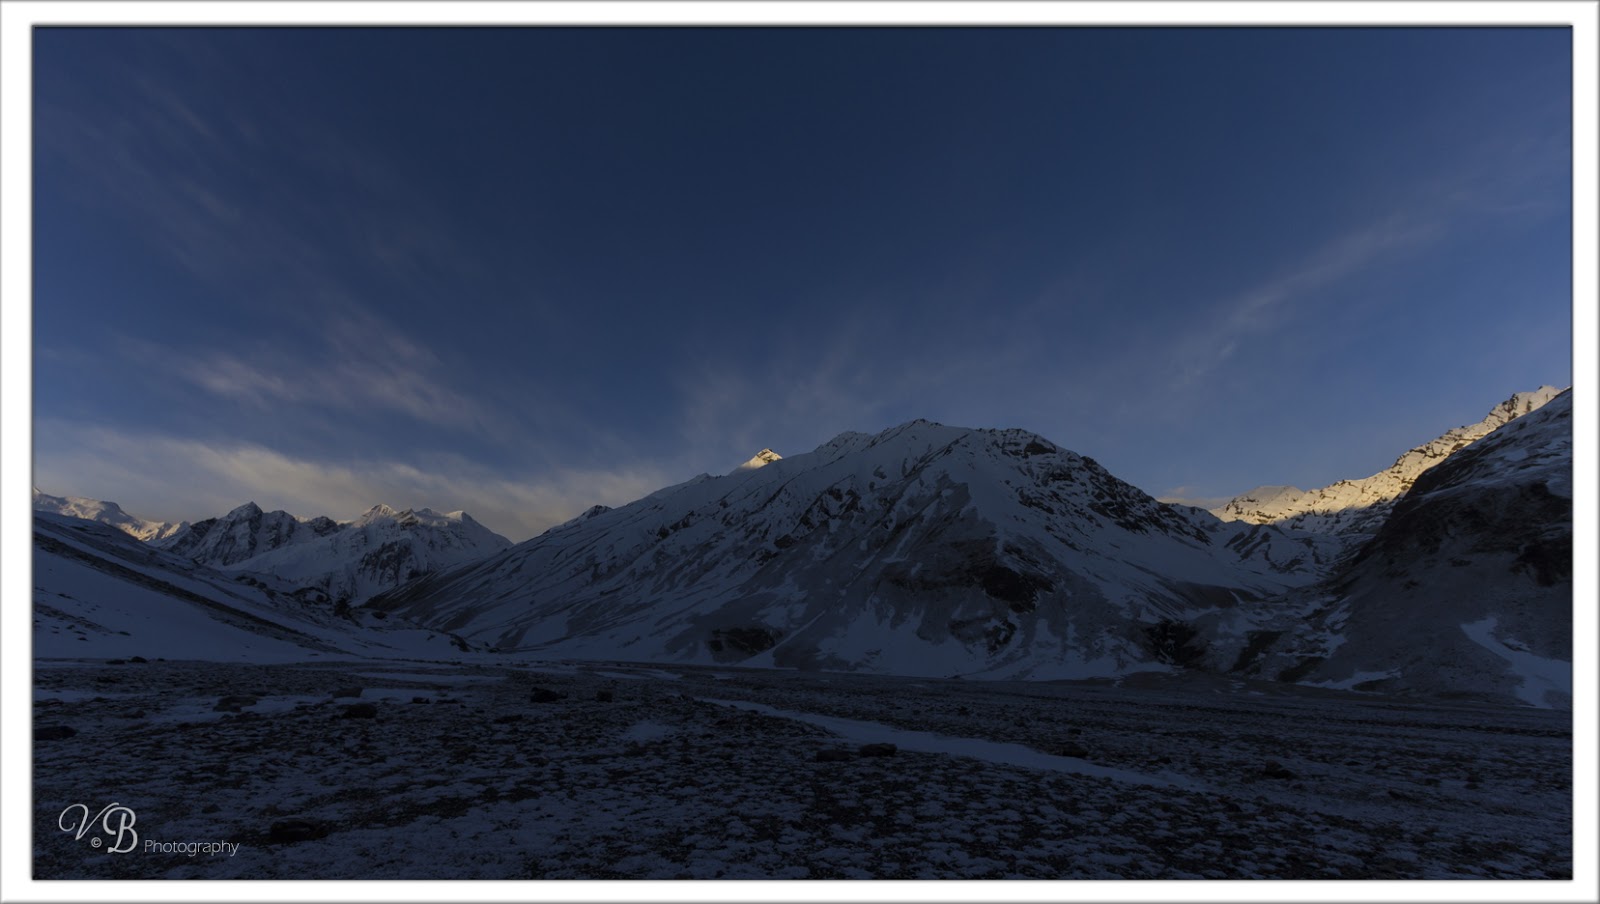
x=419, y=699
x=508, y=717
x=347, y=692
x=877, y=750
x=634, y=748
x=605, y=695
x=545, y=695
x=360, y=711
x=233, y=703
x=116, y=662
x=289, y=831
x=1072, y=749
x=139, y=659
x=832, y=755
x=1274, y=769
x=54, y=732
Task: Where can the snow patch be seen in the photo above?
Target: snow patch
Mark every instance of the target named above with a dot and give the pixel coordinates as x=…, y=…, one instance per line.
x=1540, y=676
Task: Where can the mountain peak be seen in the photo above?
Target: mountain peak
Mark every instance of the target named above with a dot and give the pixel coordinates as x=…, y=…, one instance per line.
x=760, y=460
x=248, y=510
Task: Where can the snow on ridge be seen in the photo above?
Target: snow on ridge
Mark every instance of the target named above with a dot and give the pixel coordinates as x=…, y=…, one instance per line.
x=108, y=513
x=348, y=560
x=1358, y=506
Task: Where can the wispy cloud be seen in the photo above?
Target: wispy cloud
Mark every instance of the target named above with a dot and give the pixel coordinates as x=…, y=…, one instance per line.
x=173, y=477
x=353, y=361
x=1268, y=305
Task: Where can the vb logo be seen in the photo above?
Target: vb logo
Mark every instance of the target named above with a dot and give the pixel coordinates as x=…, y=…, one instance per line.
x=115, y=820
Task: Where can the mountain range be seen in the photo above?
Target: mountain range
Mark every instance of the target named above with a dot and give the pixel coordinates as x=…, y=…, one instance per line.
x=106, y=513
x=935, y=550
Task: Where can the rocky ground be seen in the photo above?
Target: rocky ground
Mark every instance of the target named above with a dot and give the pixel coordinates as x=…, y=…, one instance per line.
x=438, y=770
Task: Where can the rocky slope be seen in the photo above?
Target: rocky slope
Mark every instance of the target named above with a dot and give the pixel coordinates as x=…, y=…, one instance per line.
x=97, y=593
x=1465, y=590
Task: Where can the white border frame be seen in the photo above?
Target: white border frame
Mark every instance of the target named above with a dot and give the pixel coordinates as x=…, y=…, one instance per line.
x=16, y=22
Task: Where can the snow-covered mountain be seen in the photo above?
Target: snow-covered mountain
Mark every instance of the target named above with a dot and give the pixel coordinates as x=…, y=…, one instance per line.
x=1357, y=508
x=924, y=549
x=105, y=513
x=349, y=561
x=98, y=593
x=1465, y=590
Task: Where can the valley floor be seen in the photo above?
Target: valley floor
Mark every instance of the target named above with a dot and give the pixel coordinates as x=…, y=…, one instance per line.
x=714, y=773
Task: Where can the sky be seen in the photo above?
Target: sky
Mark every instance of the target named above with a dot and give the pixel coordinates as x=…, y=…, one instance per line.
x=523, y=271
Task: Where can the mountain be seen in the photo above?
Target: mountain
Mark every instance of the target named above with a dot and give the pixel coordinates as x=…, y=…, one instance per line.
x=99, y=593
x=348, y=561
x=924, y=549
x=1357, y=508
x=105, y=513
x=1465, y=590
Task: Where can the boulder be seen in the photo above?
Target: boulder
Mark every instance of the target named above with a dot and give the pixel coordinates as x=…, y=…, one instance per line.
x=832, y=755
x=347, y=692
x=360, y=711
x=545, y=695
x=877, y=750
x=233, y=703
x=289, y=831
x=54, y=732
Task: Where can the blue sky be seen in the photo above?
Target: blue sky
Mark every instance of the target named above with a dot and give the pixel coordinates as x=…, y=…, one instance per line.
x=523, y=271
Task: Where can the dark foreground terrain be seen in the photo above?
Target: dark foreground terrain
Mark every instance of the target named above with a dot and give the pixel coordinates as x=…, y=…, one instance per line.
x=455, y=771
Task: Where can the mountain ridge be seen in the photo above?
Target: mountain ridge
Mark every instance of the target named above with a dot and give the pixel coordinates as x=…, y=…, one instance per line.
x=1358, y=506
x=348, y=560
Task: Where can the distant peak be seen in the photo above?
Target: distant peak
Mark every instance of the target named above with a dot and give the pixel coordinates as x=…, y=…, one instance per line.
x=760, y=460
x=248, y=510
